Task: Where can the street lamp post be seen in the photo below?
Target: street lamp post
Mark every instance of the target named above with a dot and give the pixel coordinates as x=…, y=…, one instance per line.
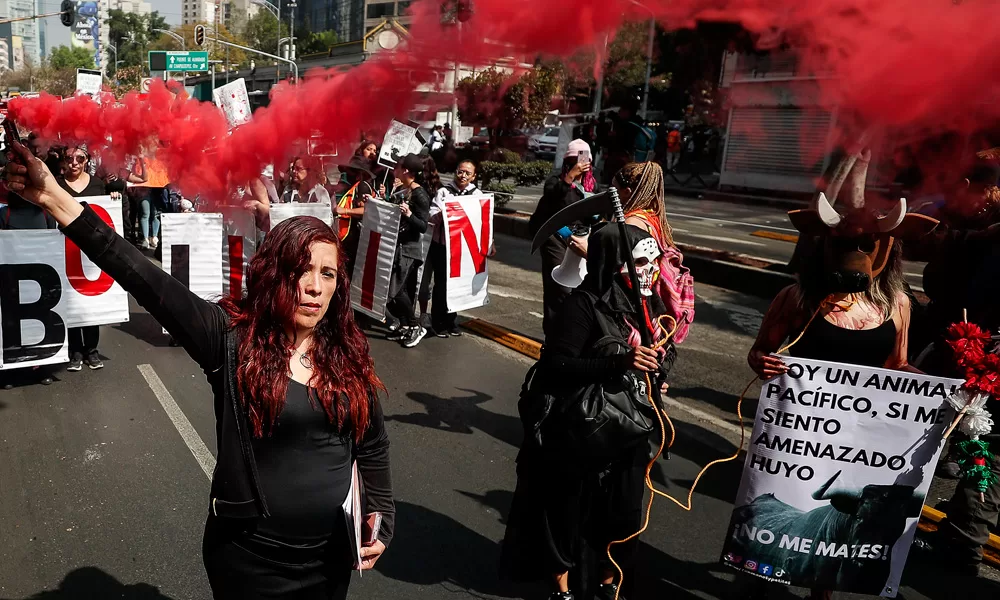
x=174, y=35
x=291, y=32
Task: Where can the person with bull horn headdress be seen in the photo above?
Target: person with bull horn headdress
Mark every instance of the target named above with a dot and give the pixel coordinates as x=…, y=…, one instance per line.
x=850, y=303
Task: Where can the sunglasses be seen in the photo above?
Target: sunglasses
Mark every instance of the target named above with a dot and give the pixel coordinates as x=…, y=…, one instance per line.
x=76, y=159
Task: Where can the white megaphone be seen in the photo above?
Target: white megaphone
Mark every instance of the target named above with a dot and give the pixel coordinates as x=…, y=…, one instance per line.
x=571, y=271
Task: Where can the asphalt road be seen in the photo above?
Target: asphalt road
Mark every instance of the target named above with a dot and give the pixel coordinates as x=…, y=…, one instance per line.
x=754, y=230
x=102, y=496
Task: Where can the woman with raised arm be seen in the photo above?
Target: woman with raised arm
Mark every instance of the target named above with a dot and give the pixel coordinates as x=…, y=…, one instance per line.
x=295, y=396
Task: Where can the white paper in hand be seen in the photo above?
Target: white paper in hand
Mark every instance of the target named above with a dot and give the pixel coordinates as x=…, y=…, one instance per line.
x=234, y=101
x=352, y=511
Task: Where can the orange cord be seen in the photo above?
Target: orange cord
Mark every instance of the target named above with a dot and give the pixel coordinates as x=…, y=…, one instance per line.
x=660, y=416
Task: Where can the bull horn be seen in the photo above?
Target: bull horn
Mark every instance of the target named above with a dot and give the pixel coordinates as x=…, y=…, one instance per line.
x=894, y=218
x=856, y=179
x=830, y=490
x=829, y=215
x=840, y=174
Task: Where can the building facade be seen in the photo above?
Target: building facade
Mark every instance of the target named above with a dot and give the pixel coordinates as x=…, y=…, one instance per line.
x=28, y=30
x=136, y=7
x=197, y=11
x=376, y=10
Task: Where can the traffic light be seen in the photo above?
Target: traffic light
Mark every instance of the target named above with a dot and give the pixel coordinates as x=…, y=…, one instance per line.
x=199, y=35
x=67, y=15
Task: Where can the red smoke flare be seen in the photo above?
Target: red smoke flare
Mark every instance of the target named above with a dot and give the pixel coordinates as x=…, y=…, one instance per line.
x=921, y=64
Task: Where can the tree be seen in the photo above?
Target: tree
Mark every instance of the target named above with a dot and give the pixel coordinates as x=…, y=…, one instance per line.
x=316, y=43
x=132, y=34
x=496, y=100
x=215, y=52
x=65, y=57
x=262, y=32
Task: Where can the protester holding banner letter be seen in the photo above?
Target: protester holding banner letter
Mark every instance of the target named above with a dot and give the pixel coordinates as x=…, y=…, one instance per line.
x=577, y=489
x=78, y=182
x=289, y=348
x=442, y=322
x=415, y=210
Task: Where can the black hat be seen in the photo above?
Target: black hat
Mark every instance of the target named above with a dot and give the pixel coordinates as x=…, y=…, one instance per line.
x=358, y=164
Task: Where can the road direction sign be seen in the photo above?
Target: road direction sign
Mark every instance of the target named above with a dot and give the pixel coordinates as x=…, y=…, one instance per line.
x=178, y=61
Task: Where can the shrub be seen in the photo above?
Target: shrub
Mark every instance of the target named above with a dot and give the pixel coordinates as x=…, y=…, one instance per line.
x=503, y=192
x=533, y=173
x=506, y=156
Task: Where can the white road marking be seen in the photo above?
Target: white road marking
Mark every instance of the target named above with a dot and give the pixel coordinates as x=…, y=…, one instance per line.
x=720, y=238
x=679, y=230
x=188, y=433
x=704, y=416
x=536, y=314
x=756, y=225
x=504, y=292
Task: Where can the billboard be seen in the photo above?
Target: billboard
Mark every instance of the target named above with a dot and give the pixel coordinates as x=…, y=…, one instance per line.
x=86, y=30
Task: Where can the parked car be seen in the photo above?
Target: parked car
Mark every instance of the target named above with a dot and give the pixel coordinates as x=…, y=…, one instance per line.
x=511, y=139
x=543, y=145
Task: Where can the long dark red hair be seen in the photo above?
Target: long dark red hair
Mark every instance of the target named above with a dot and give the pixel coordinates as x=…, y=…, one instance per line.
x=344, y=379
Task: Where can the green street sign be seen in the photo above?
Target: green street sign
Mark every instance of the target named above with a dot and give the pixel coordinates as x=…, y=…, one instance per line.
x=178, y=61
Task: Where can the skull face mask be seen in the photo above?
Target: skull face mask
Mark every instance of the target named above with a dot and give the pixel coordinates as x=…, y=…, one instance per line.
x=645, y=254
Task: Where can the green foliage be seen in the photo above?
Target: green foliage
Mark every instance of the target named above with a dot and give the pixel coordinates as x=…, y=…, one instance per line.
x=503, y=192
x=66, y=57
x=505, y=156
x=127, y=79
x=524, y=174
x=132, y=35
x=493, y=99
x=262, y=31
x=533, y=173
x=316, y=43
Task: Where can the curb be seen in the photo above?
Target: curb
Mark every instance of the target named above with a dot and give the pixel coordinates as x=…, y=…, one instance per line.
x=930, y=518
x=710, y=194
x=515, y=341
x=714, y=268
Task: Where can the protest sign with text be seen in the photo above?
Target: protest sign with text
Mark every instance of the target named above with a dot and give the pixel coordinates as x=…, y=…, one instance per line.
x=468, y=236
x=396, y=144
x=376, y=254
x=839, y=463
x=32, y=298
x=192, y=251
x=92, y=297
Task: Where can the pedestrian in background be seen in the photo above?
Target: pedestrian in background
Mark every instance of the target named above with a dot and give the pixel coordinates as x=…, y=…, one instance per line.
x=77, y=181
x=571, y=185
x=296, y=396
x=305, y=183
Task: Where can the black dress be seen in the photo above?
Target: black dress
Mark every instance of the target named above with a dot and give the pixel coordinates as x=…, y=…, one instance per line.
x=865, y=347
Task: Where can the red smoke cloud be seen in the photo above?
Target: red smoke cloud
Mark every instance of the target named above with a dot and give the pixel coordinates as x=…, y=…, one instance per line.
x=921, y=64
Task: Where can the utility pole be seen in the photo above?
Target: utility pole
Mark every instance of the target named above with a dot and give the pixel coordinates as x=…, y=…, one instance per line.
x=649, y=70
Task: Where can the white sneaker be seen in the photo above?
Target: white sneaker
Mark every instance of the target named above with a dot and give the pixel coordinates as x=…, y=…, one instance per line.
x=414, y=336
x=154, y=242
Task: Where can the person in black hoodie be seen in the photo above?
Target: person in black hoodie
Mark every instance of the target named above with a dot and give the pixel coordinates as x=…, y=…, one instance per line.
x=414, y=207
x=571, y=185
x=569, y=504
x=295, y=396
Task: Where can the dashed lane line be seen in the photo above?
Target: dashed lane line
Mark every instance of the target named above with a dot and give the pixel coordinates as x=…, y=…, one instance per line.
x=188, y=433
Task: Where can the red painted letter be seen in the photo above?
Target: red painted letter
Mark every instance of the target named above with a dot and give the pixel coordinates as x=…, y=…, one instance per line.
x=74, y=264
x=236, y=266
x=460, y=227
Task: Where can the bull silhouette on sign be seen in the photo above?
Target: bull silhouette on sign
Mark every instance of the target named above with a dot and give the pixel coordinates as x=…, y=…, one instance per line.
x=846, y=545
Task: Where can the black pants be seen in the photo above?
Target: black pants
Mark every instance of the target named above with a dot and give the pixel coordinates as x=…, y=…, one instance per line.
x=967, y=527
x=240, y=570
x=441, y=319
x=400, y=303
x=83, y=340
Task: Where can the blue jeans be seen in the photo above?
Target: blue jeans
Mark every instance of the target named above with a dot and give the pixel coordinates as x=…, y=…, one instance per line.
x=150, y=206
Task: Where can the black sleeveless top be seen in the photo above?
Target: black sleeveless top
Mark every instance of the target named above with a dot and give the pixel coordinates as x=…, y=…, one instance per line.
x=866, y=347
